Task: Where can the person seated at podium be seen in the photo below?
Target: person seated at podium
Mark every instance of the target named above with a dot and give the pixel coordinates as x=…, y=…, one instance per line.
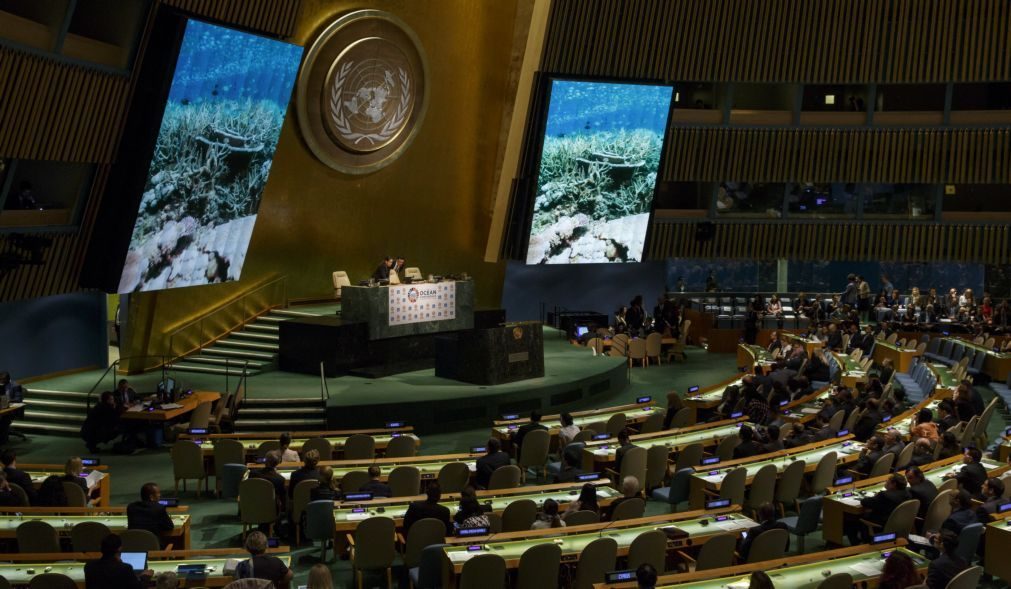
x=494, y=459
x=383, y=271
x=397, y=270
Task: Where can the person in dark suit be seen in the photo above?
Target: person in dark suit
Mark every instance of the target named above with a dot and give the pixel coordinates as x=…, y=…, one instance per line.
x=570, y=468
x=383, y=270
x=376, y=486
x=868, y=422
x=946, y=416
x=920, y=488
x=308, y=472
x=124, y=395
x=878, y=507
x=624, y=445
x=993, y=498
x=767, y=521
x=15, y=476
x=972, y=475
x=111, y=571
x=944, y=568
x=490, y=462
x=869, y=455
x=270, y=474
x=428, y=508
x=748, y=446
x=774, y=444
x=962, y=513
x=535, y=424
x=102, y=423
x=148, y=514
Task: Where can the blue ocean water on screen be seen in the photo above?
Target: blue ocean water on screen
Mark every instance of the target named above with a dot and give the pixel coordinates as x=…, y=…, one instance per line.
x=217, y=63
x=579, y=107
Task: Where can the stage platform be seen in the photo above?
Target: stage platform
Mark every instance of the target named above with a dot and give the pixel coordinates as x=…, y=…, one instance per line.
x=573, y=378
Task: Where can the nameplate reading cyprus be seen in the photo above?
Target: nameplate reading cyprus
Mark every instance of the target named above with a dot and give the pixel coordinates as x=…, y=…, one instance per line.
x=420, y=303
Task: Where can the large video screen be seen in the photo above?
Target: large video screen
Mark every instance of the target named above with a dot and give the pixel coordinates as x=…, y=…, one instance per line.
x=598, y=170
x=212, y=158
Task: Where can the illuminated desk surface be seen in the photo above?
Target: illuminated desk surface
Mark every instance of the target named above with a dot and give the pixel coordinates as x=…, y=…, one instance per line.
x=998, y=547
x=573, y=541
x=63, y=524
x=711, y=476
x=22, y=573
x=904, y=421
x=251, y=444
x=750, y=355
x=347, y=514
x=850, y=371
x=710, y=397
x=598, y=454
x=634, y=413
x=428, y=465
x=807, y=407
x=902, y=358
x=12, y=408
x=40, y=472
x=810, y=344
x=865, y=567
x=846, y=498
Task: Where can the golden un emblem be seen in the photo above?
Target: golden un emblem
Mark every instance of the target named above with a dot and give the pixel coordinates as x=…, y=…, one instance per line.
x=362, y=91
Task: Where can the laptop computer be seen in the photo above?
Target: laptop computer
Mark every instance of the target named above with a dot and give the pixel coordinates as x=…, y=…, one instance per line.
x=137, y=560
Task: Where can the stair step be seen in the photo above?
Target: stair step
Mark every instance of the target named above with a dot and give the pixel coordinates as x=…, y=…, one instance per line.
x=275, y=424
x=50, y=403
x=35, y=394
x=283, y=401
x=234, y=343
x=36, y=415
x=236, y=353
x=211, y=369
x=288, y=313
x=268, y=411
x=46, y=428
x=221, y=361
x=264, y=327
x=252, y=335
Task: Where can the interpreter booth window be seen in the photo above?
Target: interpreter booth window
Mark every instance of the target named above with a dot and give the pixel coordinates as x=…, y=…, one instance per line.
x=43, y=193
x=743, y=199
x=899, y=201
x=683, y=195
x=819, y=201
x=977, y=198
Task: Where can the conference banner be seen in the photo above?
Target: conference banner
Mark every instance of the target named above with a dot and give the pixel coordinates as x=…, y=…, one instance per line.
x=419, y=303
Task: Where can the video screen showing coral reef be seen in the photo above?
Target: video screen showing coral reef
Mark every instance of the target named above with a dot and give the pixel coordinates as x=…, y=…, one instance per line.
x=598, y=170
x=212, y=157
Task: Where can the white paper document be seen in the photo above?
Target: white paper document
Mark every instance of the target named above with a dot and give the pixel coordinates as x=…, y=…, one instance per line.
x=93, y=478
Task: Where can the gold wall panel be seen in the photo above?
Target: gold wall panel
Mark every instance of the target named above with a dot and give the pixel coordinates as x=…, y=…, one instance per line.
x=834, y=241
x=811, y=41
x=270, y=16
x=433, y=205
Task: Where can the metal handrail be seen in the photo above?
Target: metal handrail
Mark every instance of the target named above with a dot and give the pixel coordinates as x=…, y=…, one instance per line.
x=324, y=389
x=247, y=315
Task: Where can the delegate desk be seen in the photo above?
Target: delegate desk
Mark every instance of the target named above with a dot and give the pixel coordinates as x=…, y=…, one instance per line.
x=709, y=398
x=807, y=407
x=902, y=358
x=905, y=421
x=251, y=441
x=864, y=563
x=710, y=477
x=602, y=454
x=40, y=472
x=692, y=528
x=169, y=411
x=179, y=536
x=347, y=514
x=371, y=304
x=28, y=566
x=750, y=355
x=998, y=547
x=429, y=466
x=843, y=499
x=810, y=345
x=850, y=371
x=997, y=364
x=635, y=413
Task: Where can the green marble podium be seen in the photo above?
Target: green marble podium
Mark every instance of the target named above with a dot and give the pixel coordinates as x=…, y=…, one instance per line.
x=372, y=305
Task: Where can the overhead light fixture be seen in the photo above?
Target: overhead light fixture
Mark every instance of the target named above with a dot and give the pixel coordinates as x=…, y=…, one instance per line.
x=830, y=99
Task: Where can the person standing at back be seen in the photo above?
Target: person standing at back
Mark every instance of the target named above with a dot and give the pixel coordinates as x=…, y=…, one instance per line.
x=111, y=571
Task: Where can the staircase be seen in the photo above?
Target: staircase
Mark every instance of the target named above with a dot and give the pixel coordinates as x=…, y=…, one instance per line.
x=52, y=412
x=281, y=414
x=254, y=346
